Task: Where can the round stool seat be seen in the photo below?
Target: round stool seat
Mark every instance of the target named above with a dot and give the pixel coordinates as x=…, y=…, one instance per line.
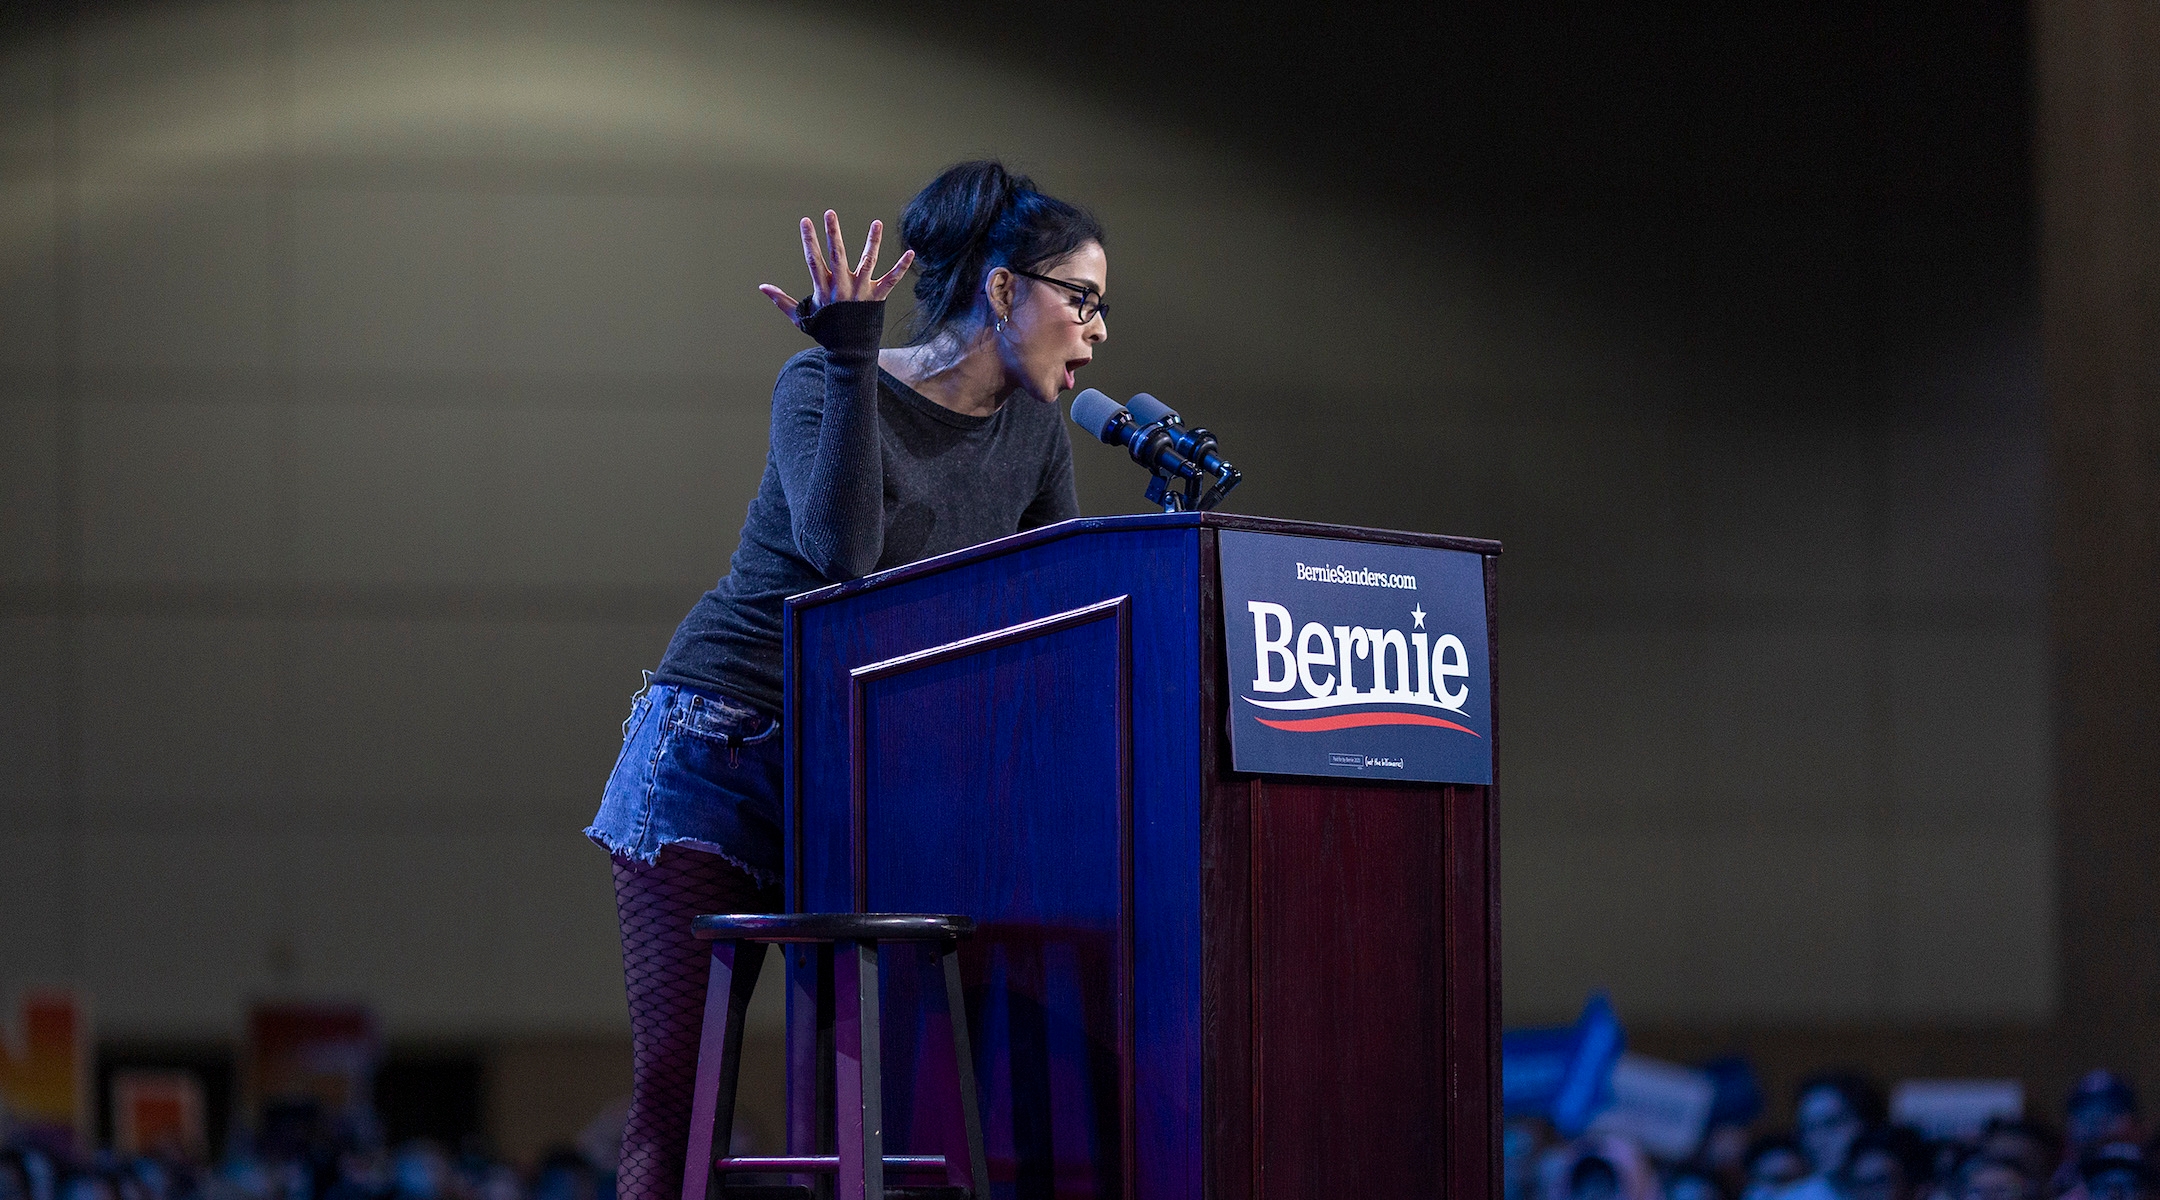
x=832, y=927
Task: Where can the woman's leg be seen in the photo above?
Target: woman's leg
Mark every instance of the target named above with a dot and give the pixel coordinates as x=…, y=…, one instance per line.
x=665, y=968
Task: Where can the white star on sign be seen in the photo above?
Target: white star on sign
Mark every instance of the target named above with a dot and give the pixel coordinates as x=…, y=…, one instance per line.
x=1418, y=614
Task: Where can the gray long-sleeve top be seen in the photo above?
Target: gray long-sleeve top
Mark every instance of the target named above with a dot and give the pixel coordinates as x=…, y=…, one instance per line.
x=864, y=473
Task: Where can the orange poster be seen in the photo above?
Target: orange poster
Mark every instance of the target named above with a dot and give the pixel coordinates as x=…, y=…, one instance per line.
x=160, y=1113
x=45, y=1063
x=325, y=1053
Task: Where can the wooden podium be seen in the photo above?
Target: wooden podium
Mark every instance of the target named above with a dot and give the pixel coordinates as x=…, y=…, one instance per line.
x=1189, y=982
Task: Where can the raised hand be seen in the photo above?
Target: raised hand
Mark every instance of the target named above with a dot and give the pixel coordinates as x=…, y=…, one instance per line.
x=831, y=281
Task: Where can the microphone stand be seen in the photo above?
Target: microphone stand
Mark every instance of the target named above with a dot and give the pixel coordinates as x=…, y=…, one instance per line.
x=1162, y=483
x=1159, y=492
x=1166, y=449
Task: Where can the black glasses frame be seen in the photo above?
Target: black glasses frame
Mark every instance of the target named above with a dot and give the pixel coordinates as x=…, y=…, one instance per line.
x=1091, y=301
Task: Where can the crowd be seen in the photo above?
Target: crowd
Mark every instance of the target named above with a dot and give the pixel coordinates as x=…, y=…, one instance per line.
x=294, y=1156
x=1843, y=1147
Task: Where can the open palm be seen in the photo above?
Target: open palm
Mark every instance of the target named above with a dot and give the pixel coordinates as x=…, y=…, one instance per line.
x=831, y=281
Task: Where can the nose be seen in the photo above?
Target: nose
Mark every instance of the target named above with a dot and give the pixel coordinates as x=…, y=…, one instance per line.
x=1098, y=330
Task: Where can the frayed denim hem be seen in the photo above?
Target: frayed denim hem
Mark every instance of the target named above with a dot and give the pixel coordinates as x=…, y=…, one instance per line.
x=697, y=770
x=764, y=878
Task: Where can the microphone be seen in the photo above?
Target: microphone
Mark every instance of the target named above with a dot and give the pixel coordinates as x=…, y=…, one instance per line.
x=1148, y=410
x=1098, y=414
x=1197, y=445
x=1151, y=446
x=1156, y=437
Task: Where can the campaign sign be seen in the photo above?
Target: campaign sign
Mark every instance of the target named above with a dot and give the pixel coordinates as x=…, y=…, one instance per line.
x=1566, y=1074
x=1355, y=659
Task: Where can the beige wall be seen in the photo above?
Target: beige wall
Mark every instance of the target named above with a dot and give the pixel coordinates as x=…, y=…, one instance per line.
x=2100, y=122
x=381, y=382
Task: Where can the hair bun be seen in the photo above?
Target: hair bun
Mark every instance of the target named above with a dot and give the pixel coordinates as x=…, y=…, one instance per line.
x=976, y=215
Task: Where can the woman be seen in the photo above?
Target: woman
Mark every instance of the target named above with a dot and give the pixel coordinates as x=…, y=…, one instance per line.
x=879, y=458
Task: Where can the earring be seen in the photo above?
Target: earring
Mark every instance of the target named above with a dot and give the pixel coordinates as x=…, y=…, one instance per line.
x=1000, y=326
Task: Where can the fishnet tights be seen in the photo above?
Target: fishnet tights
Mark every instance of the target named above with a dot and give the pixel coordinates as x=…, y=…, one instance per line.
x=665, y=968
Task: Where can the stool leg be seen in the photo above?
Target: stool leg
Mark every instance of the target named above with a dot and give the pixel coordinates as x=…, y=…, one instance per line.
x=828, y=1058
x=810, y=1057
x=857, y=1074
x=956, y=1012
x=712, y=1102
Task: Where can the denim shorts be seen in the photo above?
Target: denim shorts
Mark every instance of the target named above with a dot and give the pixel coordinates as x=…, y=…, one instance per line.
x=698, y=769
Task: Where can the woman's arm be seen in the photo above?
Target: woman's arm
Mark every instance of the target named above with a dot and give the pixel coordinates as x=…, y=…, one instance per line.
x=825, y=442
x=825, y=422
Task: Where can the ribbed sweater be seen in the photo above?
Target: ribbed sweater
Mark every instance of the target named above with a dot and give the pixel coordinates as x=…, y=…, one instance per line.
x=864, y=473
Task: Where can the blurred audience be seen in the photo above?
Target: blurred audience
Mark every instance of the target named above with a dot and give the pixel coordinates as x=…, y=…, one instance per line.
x=1693, y=1183
x=1843, y=1146
x=2116, y=1171
x=2101, y=1110
x=2033, y=1148
x=1775, y=1165
x=14, y=1180
x=1986, y=1176
x=294, y=1155
x=1834, y=1110
x=1889, y=1162
x=1594, y=1178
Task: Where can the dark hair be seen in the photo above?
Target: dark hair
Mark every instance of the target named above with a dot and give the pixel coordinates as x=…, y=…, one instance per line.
x=1589, y=1168
x=1696, y=1172
x=975, y=216
x=1904, y=1146
x=2038, y=1132
x=1980, y=1161
x=2105, y=1087
x=1861, y=1097
x=1768, y=1144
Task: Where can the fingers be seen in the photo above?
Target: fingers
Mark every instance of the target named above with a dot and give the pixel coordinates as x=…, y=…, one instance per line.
x=879, y=289
x=830, y=277
x=868, y=263
x=820, y=274
x=781, y=300
x=836, y=245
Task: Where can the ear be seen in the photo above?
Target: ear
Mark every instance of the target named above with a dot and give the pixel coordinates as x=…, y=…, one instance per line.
x=998, y=290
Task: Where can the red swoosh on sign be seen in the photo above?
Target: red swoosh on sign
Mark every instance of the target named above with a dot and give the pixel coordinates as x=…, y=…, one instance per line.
x=1360, y=720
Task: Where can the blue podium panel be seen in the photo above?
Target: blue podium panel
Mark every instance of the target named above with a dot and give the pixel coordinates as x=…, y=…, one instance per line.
x=1035, y=814
x=993, y=733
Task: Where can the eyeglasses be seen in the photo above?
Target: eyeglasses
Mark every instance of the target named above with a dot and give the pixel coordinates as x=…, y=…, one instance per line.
x=1090, y=302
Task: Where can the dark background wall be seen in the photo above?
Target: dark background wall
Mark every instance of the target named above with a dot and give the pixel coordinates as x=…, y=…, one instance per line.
x=380, y=382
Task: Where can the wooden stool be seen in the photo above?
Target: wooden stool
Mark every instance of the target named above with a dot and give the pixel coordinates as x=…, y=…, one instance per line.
x=848, y=956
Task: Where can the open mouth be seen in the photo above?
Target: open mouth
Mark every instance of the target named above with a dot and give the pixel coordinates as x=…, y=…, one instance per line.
x=1072, y=368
